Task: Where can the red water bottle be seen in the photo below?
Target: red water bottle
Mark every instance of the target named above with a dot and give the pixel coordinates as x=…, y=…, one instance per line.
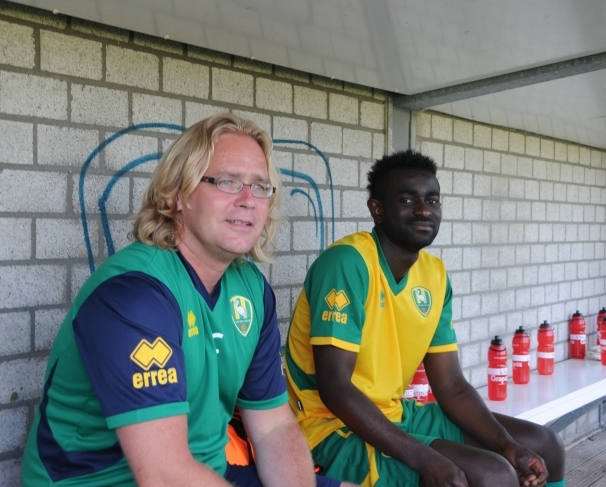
x=545, y=350
x=577, y=336
x=520, y=359
x=497, y=370
x=409, y=393
x=430, y=396
x=420, y=385
x=601, y=316
x=602, y=335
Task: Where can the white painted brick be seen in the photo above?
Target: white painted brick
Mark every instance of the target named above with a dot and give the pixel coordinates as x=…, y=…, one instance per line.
x=516, y=143
x=127, y=148
x=490, y=256
x=533, y=146
x=461, y=233
x=462, y=183
x=516, y=188
x=50, y=190
x=194, y=112
x=261, y=119
x=531, y=232
x=538, y=211
x=596, y=196
x=516, y=233
x=433, y=150
x=16, y=142
x=62, y=239
x=500, y=187
x=596, y=159
x=523, y=210
x=150, y=108
x=600, y=177
x=13, y=422
x=480, y=281
x=290, y=128
x=22, y=379
x=566, y=173
x=498, y=234
x=572, y=193
x=66, y=146
x=559, y=192
x=441, y=128
x=482, y=136
x=99, y=106
x=490, y=303
x=452, y=257
x=10, y=472
x=132, y=68
x=573, y=153
x=274, y=95
x=47, y=325
x=523, y=298
x=553, y=212
x=539, y=169
x=289, y=269
x=545, y=233
x=15, y=239
x=470, y=355
x=500, y=139
x=378, y=146
x=17, y=45
x=578, y=175
x=354, y=204
x=547, y=149
x=537, y=254
x=474, y=160
x=525, y=167
x=445, y=234
x=31, y=285
x=15, y=333
x=507, y=255
x=481, y=185
x=584, y=194
x=560, y=151
x=327, y=138
x=454, y=157
x=531, y=190
x=70, y=55
x=470, y=305
x=506, y=301
x=343, y=229
x=232, y=87
x=584, y=156
x=423, y=124
x=452, y=208
x=357, y=143
x=310, y=102
x=94, y=186
x=344, y=172
x=342, y=108
x=283, y=234
x=312, y=165
x=523, y=255
x=372, y=115
x=79, y=275
x=445, y=180
x=463, y=132
x=508, y=210
x=492, y=162
x=306, y=235
x=509, y=164
x=472, y=208
x=34, y=96
x=184, y=78
x=546, y=191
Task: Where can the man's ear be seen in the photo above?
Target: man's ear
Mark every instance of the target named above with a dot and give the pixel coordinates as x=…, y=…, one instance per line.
x=376, y=210
x=179, y=204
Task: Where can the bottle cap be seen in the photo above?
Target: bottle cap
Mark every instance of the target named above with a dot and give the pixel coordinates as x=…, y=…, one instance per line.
x=544, y=325
x=496, y=341
x=520, y=330
x=577, y=314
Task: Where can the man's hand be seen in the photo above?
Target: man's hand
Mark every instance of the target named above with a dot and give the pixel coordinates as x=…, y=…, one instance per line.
x=529, y=466
x=439, y=471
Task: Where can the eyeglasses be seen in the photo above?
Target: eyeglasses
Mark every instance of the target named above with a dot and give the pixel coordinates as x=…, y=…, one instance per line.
x=233, y=186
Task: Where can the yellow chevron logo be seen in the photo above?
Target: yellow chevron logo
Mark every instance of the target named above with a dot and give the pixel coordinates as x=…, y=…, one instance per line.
x=146, y=354
x=337, y=299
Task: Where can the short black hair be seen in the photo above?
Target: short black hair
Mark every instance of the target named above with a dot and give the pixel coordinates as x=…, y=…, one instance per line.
x=408, y=159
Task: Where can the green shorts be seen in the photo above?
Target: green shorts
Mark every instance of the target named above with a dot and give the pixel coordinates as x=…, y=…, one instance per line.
x=344, y=456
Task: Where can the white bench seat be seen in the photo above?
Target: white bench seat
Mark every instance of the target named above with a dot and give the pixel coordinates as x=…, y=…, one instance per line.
x=574, y=384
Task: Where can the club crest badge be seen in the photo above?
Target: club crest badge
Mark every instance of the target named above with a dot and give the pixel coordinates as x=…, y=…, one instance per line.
x=422, y=299
x=241, y=314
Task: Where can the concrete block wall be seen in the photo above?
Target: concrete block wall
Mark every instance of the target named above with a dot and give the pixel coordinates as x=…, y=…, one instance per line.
x=524, y=224
x=70, y=88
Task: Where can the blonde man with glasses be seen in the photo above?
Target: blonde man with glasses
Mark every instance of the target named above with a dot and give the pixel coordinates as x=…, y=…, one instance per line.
x=173, y=332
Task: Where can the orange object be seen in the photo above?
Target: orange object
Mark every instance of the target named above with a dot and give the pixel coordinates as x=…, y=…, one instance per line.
x=238, y=450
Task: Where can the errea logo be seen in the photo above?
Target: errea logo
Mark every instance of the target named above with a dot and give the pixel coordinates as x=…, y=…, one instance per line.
x=147, y=354
x=336, y=300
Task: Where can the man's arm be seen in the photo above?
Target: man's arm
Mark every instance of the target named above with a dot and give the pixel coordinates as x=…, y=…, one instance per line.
x=334, y=369
x=282, y=456
x=158, y=454
x=463, y=405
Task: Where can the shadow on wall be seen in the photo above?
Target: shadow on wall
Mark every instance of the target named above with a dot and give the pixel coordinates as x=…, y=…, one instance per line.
x=307, y=188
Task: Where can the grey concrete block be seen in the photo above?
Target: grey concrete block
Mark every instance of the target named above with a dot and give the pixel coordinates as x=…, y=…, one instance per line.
x=79, y=275
x=433, y=150
x=22, y=379
x=344, y=172
x=354, y=204
x=311, y=165
x=17, y=45
x=357, y=143
x=325, y=82
x=70, y=55
x=184, y=78
x=306, y=236
x=149, y=108
x=94, y=186
x=342, y=108
x=232, y=87
x=33, y=15
x=15, y=239
x=310, y=102
x=209, y=55
x=378, y=146
x=291, y=74
x=291, y=129
x=13, y=424
x=10, y=473
x=99, y=106
x=132, y=68
x=16, y=142
x=482, y=136
x=32, y=285
x=327, y=138
x=127, y=148
x=463, y=132
x=66, y=146
x=492, y=162
x=47, y=323
x=62, y=239
x=194, y=112
x=157, y=43
x=441, y=128
x=372, y=115
x=49, y=188
x=34, y=96
x=533, y=146
x=15, y=333
x=261, y=119
x=252, y=65
x=500, y=139
x=100, y=30
x=290, y=269
x=274, y=95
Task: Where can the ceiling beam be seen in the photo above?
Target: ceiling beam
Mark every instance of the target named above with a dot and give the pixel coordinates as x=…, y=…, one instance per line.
x=503, y=82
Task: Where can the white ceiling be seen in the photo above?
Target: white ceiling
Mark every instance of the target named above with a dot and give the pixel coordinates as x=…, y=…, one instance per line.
x=403, y=46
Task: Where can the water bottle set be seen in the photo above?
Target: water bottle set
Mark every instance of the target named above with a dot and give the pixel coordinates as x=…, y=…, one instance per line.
x=520, y=360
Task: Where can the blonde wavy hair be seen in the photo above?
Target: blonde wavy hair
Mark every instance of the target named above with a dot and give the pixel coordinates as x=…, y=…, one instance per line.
x=179, y=172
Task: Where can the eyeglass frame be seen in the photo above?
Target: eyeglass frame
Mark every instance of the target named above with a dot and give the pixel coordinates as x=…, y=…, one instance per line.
x=216, y=181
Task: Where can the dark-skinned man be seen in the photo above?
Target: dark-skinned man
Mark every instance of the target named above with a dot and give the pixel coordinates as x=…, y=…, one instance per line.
x=374, y=305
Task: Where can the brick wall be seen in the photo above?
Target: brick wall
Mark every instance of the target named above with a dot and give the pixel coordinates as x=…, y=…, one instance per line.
x=523, y=223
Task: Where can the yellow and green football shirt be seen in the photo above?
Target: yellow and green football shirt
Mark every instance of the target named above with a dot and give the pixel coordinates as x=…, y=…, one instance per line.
x=351, y=300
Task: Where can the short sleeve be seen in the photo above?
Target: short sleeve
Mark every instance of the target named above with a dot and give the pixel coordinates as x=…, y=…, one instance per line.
x=336, y=288
x=129, y=334
x=445, y=339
